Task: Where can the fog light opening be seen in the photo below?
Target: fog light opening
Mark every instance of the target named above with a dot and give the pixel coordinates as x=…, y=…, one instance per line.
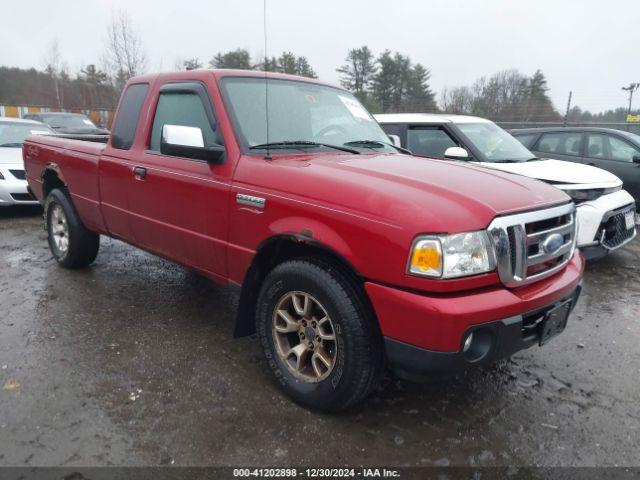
x=477, y=344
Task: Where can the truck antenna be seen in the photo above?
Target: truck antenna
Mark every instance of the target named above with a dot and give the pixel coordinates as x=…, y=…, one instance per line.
x=266, y=77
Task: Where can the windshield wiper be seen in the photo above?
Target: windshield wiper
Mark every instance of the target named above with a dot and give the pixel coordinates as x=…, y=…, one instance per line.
x=510, y=160
x=11, y=144
x=379, y=143
x=300, y=143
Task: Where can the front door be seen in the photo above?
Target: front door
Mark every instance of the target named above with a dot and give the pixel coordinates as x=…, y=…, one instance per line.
x=615, y=155
x=179, y=205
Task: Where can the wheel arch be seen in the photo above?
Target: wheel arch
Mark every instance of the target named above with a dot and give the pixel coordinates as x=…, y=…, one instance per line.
x=273, y=251
x=51, y=178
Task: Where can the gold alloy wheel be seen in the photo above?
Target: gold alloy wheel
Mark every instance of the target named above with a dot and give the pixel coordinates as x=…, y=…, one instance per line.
x=304, y=336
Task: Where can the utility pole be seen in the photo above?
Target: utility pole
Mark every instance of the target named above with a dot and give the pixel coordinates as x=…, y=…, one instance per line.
x=566, y=115
x=631, y=88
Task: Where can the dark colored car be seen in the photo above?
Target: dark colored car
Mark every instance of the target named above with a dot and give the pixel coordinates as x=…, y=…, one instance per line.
x=68, y=123
x=606, y=148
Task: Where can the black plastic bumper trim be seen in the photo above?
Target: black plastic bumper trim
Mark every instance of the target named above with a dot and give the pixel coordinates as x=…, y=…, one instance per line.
x=418, y=364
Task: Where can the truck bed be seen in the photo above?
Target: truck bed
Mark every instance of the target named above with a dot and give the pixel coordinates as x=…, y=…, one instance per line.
x=76, y=162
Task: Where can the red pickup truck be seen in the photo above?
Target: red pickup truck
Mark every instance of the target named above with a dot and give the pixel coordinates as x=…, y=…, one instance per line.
x=351, y=255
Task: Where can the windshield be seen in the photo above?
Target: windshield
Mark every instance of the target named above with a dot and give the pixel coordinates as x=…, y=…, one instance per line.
x=12, y=134
x=68, y=121
x=300, y=111
x=633, y=136
x=493, y=143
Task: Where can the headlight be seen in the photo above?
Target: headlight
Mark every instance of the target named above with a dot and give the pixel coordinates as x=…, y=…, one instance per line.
x=450, y=256
x=590, y=194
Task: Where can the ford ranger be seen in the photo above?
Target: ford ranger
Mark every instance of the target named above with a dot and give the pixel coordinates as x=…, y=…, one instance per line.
x=351, y=255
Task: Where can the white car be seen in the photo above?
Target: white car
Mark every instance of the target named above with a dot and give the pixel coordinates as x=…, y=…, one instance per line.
x=13, y=181
x=605, y=212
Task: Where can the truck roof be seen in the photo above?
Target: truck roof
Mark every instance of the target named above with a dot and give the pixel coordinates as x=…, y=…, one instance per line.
x=427, y=118
x=228, y=72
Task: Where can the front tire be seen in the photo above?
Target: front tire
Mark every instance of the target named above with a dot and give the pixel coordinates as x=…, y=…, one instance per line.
x=319, y=335
x=72, y=245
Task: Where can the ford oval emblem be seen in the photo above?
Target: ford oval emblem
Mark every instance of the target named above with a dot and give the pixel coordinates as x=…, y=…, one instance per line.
x=552, y=243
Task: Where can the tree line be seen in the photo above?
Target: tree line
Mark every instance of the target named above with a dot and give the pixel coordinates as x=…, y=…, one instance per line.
x=384, y=82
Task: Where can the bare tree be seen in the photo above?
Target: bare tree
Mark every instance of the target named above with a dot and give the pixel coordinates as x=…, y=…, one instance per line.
x=507, y=95
x=124, y=55
x=53, y=67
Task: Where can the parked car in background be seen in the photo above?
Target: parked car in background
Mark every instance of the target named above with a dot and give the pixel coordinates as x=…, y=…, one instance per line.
x=613, y=150
x=351, y=255
x=68, y=123
x=13, y=183
x=605, y=211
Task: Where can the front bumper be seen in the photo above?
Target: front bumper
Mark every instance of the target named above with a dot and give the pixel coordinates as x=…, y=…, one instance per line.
x=505, y=337
x=612, y=234
x=592, y=217
x=14, y=190
x=437, y=323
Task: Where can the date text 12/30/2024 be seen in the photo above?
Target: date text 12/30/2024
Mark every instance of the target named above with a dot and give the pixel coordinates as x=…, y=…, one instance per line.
x=316, y=472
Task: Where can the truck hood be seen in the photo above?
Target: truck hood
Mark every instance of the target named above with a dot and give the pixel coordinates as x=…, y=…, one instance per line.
x=565, y=175
x=10, y=156
x=415, y=193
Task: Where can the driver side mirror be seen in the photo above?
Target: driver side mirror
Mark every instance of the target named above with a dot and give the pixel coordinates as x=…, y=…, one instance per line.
x=395, y=140
x=456, y=153
x=636, y=159
x=188, y=142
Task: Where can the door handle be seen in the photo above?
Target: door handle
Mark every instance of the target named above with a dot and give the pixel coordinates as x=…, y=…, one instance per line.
x=591, y=164
x=140, y=172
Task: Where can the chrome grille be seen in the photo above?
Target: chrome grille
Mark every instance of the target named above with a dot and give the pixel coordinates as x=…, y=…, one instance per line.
x=614, y=232
x=523, y=242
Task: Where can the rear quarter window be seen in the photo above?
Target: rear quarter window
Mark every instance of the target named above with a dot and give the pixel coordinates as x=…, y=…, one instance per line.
x=124, y=129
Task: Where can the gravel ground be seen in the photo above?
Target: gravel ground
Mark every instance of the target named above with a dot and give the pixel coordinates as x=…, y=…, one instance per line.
x=132, y=362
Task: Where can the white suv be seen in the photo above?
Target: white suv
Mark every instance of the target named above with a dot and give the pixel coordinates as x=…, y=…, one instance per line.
x=605, y=211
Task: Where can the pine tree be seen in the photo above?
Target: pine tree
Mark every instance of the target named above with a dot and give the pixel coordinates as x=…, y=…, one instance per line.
x=357, y=74
x=419, y=96
x=238, y=58
x=383, y=84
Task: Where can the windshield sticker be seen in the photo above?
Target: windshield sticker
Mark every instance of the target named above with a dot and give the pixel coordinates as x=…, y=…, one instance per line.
x=355, y=108
x=88, y=122
x=39, y=132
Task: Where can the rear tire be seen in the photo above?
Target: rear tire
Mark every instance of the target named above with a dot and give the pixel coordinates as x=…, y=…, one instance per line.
x=72, y=245
x=316, y=312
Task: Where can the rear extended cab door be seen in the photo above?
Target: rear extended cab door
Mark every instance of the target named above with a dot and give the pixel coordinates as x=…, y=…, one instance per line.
x=115, y=166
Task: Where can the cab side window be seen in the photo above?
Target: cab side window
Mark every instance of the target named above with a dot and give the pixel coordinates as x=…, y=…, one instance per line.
x=566, y=143
x=180, y=108
x=430, y=142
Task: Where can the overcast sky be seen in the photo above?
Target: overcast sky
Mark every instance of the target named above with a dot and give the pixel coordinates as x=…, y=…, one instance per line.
x=588, y=46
